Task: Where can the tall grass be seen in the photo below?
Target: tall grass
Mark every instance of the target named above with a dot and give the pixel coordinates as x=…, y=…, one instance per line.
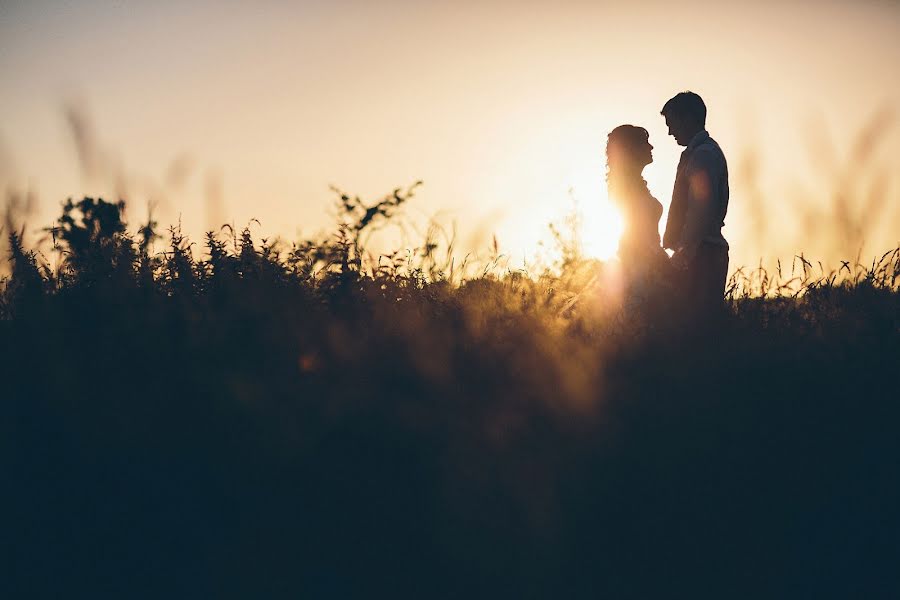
x=248, y=418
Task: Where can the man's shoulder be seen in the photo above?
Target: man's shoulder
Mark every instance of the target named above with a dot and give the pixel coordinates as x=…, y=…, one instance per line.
x=708, y=152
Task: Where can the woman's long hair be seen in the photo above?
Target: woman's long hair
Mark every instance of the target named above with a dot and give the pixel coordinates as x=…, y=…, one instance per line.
x=623, y=170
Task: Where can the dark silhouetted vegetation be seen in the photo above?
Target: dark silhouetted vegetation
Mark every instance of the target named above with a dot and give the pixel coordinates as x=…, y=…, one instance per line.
x=252, y=419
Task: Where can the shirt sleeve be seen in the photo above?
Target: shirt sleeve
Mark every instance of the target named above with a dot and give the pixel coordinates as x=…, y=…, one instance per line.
x=703, y=171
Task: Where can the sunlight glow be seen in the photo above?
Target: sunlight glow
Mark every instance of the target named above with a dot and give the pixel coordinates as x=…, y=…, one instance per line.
x=601, y=223
x=601, y=228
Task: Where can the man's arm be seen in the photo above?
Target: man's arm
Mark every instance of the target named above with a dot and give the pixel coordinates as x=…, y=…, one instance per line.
x=702, y=172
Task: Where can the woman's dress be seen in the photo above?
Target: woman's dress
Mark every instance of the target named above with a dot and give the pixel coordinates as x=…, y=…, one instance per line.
x=643, y=260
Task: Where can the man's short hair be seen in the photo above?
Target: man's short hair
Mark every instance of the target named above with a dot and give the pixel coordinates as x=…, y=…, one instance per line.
x=686, y=105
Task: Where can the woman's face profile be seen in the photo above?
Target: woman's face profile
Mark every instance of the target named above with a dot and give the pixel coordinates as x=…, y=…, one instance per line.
x=631, y=150
x=645, y=153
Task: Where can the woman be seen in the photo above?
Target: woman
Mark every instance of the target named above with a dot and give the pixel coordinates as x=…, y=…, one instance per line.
x=644, y=262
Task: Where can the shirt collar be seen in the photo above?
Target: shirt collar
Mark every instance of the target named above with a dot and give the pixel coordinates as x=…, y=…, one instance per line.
x=699, y=137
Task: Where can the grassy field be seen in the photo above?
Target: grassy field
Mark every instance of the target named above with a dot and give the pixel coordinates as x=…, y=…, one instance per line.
x=255, y=420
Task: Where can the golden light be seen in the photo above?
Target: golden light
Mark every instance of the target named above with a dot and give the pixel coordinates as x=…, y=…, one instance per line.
x=600, y=229
x=601, y=223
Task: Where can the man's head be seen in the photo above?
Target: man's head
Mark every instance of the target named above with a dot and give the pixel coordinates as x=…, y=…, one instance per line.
x=685, y=115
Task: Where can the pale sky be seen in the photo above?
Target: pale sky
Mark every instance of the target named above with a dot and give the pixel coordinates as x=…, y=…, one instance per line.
x=500, y=107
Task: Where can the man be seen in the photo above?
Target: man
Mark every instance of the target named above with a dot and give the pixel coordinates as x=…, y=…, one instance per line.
x=699, y=204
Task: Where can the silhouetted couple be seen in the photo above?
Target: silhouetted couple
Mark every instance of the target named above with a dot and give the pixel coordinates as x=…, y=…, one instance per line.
x=699, y=264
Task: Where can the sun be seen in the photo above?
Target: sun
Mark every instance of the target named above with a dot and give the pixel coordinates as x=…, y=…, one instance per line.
x=601, y=228
x=601, y=222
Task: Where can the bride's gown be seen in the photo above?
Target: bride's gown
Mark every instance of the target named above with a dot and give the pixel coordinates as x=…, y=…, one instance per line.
x=643, y=260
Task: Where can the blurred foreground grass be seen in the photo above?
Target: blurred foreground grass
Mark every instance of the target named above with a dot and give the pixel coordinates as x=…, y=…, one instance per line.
x=311, y=421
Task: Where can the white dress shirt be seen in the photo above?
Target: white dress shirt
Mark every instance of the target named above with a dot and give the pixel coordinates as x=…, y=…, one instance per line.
x=701, y=192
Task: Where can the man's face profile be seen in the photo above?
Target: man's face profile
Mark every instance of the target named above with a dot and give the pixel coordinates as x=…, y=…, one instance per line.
x=677, y=129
